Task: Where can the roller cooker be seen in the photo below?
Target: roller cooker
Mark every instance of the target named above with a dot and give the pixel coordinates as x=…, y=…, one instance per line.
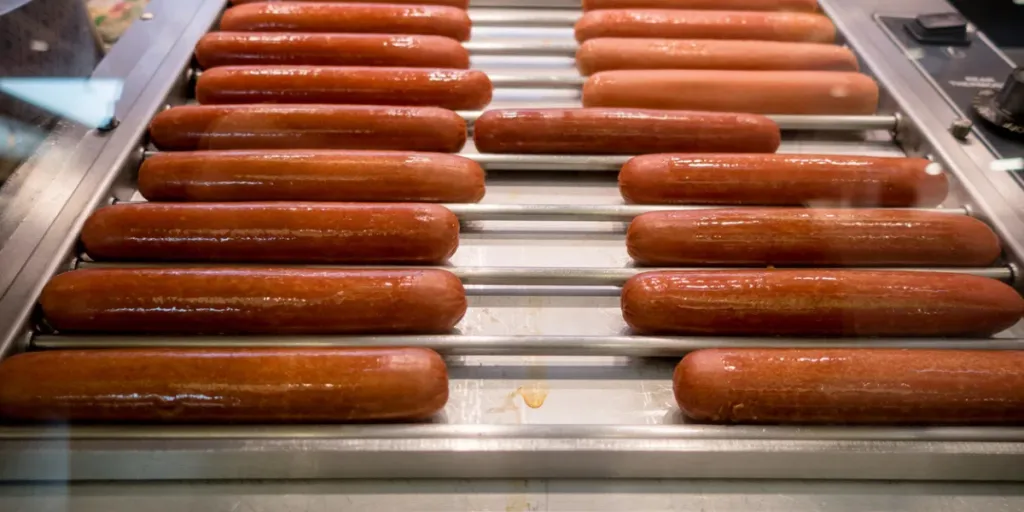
x=546, y=381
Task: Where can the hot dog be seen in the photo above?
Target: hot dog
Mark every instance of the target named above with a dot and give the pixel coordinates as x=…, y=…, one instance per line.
x=759, y=92
x=612, y=53
x=621, y=131
x=818, y=302
x=852, y=386
x=260, y=48
x=370, y=233
x=729, y=5
x=461, y=4
x=455, y=89
x=696, y=24
x=810, y=236
x=311, y=175
x=254, y=301
x=348, y=17
x=266, y=385
x=784, y=180
x=193, y=127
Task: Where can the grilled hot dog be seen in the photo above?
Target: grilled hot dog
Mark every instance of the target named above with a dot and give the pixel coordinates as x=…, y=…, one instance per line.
x=612, y=53
x=461, y=4
x=783, y=180
x=729, y=5
x=193, y=127
x=311, y=175
x=254, y=301
x=371, y=233
x=852, y=386
x=348, y=17
x=818, y=303
x=455, y=89
x=621, y=131
x=810, y=236
x=224, y=385
x=696, y=24
x=760, y=92
x=313, y=49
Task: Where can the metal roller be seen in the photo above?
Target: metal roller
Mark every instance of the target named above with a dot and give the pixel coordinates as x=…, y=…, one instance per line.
x=530, y=18
x=518, y=48
x=468, y=212
x=462, y=345
x=496, y=280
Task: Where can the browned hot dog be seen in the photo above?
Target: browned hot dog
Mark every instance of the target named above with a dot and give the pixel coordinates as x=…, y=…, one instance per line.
x=224, y=385
x=612, y=53
x=461, y=4
x=785, y=180
x=818, y=302
x=810, y=236
x=729, y=5
x=254, y=301
x=193, y=127
x=696, y=24
x=760, y=92
x=348, y=17
x=311, y=175
x=293, y=232
x=246, y=48
x=455, y=89
x=852, y=386
x=621, y=131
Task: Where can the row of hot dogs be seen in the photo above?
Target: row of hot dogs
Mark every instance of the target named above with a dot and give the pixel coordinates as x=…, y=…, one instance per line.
x=335, y=151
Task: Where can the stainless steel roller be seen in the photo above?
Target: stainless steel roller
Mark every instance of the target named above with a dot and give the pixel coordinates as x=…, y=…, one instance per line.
x=464, y=345
x=548, y=278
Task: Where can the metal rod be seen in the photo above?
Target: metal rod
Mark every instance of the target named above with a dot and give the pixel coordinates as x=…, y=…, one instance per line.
x=496, y=431
x=552, y=80
x=519, y=18
x=468, y=212
x=538, y=278
x=518, y=48
x=464, y=345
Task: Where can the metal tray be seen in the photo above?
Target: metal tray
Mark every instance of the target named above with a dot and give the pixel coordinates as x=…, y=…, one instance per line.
x=546, y=382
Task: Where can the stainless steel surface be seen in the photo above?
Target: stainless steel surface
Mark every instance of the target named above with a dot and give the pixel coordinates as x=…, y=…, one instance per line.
x=516, y=18
x=463, y=345
x=547, y=414
x=518, y=496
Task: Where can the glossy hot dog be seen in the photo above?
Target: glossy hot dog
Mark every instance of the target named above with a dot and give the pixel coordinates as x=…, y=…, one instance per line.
x=783, y=180
x=455, y=89
x=224, y=385
x=311, y=175
x=461, y=4
x=612, y=53
x=292, y=232
x=696, y=24
x=810, y=236
x=254, y=301
x=314, y=49
x=818, y=302
x=621, y=131
x=348, y=17
x=852, y=386
x=729, y=5
x=760, y=92
x=204, y=127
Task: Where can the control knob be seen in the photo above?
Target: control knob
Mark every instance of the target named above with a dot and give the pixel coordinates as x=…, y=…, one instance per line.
x=1004, y=108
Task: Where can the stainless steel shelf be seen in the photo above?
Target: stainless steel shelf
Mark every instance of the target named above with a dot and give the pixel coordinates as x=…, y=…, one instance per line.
x=520, y=345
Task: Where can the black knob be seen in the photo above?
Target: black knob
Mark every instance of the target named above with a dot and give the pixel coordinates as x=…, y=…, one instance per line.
x=1003, y=109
